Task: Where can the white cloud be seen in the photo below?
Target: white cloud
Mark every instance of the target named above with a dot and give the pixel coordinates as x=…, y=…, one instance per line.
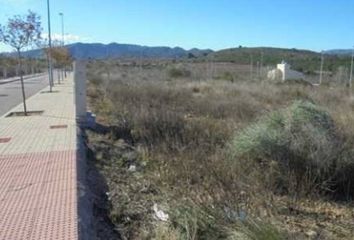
x=68, y=38
x=56, y=38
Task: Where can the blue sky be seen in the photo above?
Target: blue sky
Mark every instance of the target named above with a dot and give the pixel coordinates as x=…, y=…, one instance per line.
x=215, y=24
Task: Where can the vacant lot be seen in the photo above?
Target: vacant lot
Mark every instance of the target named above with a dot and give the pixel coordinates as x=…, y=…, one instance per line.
x=213, y=151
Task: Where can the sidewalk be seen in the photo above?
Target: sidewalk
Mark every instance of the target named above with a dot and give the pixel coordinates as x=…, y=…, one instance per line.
x=38, y=169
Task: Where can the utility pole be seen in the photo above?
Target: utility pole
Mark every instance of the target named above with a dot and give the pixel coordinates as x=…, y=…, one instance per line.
x=50, y=49
x=261, y=65
x=141, y=62
x=209, y=66
x=62, y=41
x=351, y=69
x=251, y=67
x=212, y=67
x=321, y=69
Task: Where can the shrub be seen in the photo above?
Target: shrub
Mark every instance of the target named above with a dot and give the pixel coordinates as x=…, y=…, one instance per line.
x=256, y=230
x=300, y=142
x=194, y=223
x=176, y=132
x=228, y=76
x=166, y=232
x=178, y=72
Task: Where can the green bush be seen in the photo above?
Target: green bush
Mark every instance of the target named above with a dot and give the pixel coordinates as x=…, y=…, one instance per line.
x=300, y=142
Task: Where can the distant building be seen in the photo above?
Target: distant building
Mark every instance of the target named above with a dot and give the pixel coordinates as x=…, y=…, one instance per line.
x=283, y=72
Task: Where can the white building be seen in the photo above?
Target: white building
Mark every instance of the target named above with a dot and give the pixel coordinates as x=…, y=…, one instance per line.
x=283, y=72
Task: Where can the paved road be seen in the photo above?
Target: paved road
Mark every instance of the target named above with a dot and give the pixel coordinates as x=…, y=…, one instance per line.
x=11, y=95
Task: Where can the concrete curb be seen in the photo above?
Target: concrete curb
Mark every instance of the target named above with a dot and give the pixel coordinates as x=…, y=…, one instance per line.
x=11, y=110
x=24, y=78
x=39, y=92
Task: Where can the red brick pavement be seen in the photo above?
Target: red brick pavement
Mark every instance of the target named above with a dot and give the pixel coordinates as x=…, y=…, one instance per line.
x=38, y=196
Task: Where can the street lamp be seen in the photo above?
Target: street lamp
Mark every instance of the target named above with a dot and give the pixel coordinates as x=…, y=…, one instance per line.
x=62, y=27
x=62, y=41
x=50, y=50
x=351, y=69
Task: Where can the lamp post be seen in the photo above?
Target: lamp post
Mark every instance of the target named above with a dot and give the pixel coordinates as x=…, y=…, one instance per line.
x=62, y=36
x=62, y=28
x=351, y=69
x=321, y=70
x=50, y=50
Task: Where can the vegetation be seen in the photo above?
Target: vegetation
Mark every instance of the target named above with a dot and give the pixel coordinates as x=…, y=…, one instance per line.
x=21, y=32
x=224, y=160
x=301, y=60
x=300, y=148
x=62, y=58
x=9, y=66
x=178, y=72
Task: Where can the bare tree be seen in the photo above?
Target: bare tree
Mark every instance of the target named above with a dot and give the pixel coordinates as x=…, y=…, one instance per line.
x=21, y=32
x=43, y=44
x=3, y=64
x=62, y=58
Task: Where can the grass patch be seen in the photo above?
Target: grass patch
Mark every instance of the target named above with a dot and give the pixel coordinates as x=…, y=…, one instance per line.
x=178, y=72
x=300, y=148
x=218, y=157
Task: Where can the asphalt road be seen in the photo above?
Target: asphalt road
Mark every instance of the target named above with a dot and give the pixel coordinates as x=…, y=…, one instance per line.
x=11, y=95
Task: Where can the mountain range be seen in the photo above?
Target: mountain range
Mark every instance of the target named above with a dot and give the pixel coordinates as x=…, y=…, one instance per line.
x=301, y=60
x=116, y=50
x=345, y=52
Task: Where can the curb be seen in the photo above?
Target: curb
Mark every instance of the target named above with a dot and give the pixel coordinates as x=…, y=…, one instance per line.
x=11, y=110
x=25, y=78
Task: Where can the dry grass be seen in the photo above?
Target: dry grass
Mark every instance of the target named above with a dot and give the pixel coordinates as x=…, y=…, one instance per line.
x=177, y=131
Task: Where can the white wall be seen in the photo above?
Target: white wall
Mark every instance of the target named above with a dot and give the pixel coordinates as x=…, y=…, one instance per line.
x=286, y=73
x=80, y=90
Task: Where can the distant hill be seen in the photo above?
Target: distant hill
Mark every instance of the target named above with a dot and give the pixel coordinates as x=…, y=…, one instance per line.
x=347, y=52
x=302, y=60
x=116, y=50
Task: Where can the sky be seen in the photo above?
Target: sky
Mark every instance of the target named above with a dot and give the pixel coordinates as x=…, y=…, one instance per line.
x=216, y=24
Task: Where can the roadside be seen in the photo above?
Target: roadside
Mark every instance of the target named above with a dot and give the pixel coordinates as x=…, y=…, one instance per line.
x=10, y=93
x=170, y=154
x=17, y=78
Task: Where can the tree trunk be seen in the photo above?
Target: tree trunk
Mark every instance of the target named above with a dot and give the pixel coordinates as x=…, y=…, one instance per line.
x=4, y=72
x=49, y=78
x=17, y=70
x=25, y=68
x=58, y=72
x=22, y=83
